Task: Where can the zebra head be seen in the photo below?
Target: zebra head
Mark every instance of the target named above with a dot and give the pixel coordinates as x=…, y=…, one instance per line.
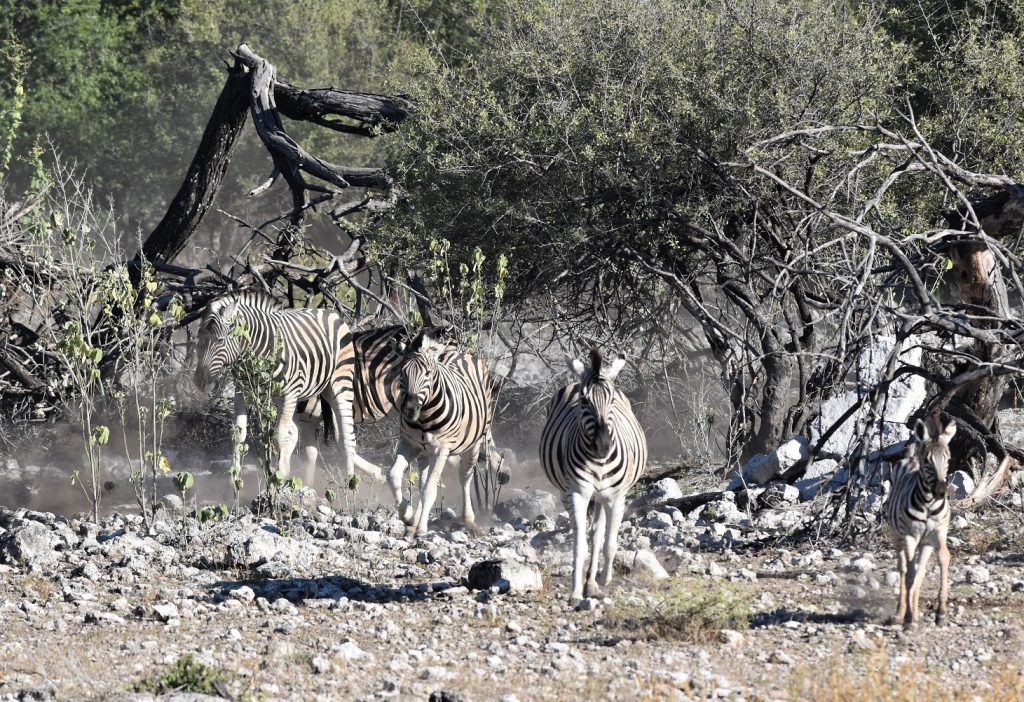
x=596, y=393
x=217, y=348
x=934, y=438
x=419, y=372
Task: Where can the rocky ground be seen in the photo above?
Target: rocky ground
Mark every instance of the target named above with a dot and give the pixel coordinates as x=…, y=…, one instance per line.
x=717, y=603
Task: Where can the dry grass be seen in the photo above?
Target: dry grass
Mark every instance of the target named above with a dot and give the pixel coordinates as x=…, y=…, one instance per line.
x=681, y=609
x=876, y=679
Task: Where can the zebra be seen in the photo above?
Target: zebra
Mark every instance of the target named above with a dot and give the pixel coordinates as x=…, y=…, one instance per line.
x=592, y=448
x=446, y=410
x=314, y=356
x=377, y=395
x=918, y=514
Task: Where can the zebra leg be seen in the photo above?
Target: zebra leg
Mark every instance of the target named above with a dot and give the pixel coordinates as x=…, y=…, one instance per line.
x=597, y=533
x=924, y=554
x=467, y=473
x=943, y=549
x=611, y=540
x=429, y=492
x=578, y=501
x=406, y=454
x=309, y=452
x=238, y=434
x=905, y=548
x=287, y=437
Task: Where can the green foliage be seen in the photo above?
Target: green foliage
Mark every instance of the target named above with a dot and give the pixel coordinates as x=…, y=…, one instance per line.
x=683, y=609
x=185, y=675
x=256, y=379
x=183, y=482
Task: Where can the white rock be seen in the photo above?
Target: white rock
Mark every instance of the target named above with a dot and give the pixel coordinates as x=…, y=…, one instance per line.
x=507, y=575
x=962, y=484
x=642, y=562
x=348, y=650
x=165, y=612
x=977, y=574
x=862, y=564
x=729, y=637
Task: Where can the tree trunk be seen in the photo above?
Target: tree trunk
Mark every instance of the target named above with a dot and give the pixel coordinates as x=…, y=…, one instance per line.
x=205, y=174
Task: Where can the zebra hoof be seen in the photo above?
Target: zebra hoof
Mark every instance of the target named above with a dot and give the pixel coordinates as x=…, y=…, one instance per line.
x=574, y=601
x=909, y=626
x=591, y=590
x=940, y=619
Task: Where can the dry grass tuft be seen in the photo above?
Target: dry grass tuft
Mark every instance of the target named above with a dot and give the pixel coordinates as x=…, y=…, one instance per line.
x=876, y=680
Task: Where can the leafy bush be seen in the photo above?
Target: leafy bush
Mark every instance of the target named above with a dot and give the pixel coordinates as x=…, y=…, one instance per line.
x=686, y=610
x=185, y=675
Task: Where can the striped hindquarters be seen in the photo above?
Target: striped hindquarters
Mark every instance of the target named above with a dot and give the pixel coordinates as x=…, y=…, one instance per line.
x=570, y=460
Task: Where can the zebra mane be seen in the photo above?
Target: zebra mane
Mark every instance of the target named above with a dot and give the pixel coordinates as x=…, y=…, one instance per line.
x=253, y=299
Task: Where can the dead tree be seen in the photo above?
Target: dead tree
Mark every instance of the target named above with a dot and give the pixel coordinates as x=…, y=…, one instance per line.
x=252, y=86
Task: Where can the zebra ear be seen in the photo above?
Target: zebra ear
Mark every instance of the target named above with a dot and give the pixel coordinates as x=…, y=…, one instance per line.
x=948, y=432
x=615, y=368
x=921, y=431
x=576, y=366
x=229, y=312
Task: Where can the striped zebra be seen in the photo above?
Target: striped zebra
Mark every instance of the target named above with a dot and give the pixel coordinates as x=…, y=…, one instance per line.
x=313, y=349
x=377, y=394
x=918, y=514
x=593, y=449
x=446, y=411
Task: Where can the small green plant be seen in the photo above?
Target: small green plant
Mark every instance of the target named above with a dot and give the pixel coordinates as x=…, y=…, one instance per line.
x=682, y=609
x=185, y=675
x=183, y=482
x=255, y=378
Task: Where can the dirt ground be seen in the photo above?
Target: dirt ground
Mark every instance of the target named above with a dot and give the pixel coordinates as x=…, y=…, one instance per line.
x=336, y=606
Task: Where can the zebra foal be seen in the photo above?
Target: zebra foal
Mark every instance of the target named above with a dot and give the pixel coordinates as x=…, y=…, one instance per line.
x=377, y=385
x=918, y=515
x=313, y=350
x=593, y=449
x=446, y=411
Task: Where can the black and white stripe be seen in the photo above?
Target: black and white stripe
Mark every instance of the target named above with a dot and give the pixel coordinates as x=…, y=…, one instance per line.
x=918, y=514
x=446, y=411
x=313, y=349
x=377, y=388
x=593, y=449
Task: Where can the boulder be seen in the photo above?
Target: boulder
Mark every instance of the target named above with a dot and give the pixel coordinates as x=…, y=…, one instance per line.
x=905, y=396
x=506, y=575
x=764, y=467
x=528, y=504
x=248, y=549
x=29, y=542
x=642, y=562
x=962, y=484
x=780, y=495
x=661, y=491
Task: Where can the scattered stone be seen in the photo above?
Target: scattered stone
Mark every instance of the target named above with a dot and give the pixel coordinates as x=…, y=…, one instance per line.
x=243, y=593
x=730, y=637
x=165, y=612
x=528, y=504
x=781, y=657
x=763, y=467
x=642, y=562
x=661, y=491
x=506, y=575
x=862, y=564
x=976, y=575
